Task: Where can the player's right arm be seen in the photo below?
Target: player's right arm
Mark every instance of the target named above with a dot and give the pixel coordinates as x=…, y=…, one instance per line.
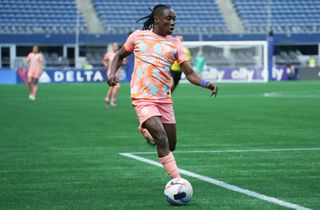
x=106, y=60
x=195, y=79
x=191, y=75
x=115, y=65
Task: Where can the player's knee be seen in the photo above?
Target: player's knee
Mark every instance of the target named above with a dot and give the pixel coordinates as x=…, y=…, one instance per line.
x=162, y=140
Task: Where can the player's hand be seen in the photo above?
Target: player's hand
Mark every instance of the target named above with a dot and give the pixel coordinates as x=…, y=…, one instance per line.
x=213, y=88
x=112, y=81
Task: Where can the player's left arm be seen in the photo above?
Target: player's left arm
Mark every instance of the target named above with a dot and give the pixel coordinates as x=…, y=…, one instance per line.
x=194, y=78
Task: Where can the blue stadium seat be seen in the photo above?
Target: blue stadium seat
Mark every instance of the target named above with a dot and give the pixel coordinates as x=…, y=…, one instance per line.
x=45, y=16
x=120, y=15
x=285, y=15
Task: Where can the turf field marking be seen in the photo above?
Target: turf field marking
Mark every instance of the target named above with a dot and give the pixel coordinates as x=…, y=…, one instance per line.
x=226, y=96
x=290, y=95
x=237, y=151
x=221, y=184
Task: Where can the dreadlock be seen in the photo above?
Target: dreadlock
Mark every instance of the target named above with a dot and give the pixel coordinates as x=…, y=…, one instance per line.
x=149, y=23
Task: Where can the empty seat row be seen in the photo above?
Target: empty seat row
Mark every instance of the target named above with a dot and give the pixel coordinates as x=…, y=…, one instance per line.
x=39, y=16
x=120, y=15
x=290, y=15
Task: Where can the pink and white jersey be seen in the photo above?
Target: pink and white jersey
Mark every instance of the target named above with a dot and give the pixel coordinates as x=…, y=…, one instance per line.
x=35, y=61
x=109, y=57
x=154, y=55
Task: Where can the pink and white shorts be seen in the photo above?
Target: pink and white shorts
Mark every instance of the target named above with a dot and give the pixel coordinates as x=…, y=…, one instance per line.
x=146, y=110
x=34, y=74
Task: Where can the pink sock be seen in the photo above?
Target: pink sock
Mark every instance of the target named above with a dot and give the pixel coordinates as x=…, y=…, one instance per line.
x=169, y=164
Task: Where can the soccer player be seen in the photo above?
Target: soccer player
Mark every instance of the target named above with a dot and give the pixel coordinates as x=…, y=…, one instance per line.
x=176, y=69
x=113, y=90
x=35, y=61
x=155, y=51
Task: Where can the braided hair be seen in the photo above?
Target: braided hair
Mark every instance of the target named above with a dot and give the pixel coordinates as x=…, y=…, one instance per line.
x=149, y=22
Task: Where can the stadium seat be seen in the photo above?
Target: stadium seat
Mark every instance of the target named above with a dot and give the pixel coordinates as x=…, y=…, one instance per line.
x=37, y=16
x=117, y=15
x=292, y=15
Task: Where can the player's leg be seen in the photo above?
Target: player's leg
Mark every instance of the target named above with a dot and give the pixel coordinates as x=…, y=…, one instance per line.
x=115, y=90
x=171, y=134
x=145, y=111
x=114, y=95
x=30, y=84
x=155, y=127
x=150, y=118
x=145, y=133
x=30, y=87
x=35, y=87
x=108, y=97
x=169, y=123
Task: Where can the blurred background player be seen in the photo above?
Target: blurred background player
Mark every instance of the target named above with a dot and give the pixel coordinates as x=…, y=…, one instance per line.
x=176, y=69
x=155, y=51
x=35, y=62
x=199, y=62
x=113, y=90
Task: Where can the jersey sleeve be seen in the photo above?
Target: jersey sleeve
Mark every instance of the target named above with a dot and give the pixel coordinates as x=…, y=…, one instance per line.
x=181, y=56
x=129, y=44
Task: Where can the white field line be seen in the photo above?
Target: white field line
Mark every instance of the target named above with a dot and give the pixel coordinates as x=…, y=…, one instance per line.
x=290, y=95
x=236, y=151
x=222, y=184
x=231, y=96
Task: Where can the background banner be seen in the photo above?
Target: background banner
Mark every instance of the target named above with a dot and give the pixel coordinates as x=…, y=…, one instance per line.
x=73, y=76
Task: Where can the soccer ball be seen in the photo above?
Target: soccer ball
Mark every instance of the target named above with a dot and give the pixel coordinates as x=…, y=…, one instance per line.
x=178, y=192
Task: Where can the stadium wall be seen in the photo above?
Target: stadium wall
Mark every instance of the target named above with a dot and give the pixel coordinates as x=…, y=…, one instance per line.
x=8, y=77
x=11, y=77
x=103, y=39
x=306, y=73
x=60, y=76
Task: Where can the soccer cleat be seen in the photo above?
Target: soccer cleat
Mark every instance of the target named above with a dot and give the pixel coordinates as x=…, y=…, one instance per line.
x=32, y=97
x=107, y=103
x=149, y=139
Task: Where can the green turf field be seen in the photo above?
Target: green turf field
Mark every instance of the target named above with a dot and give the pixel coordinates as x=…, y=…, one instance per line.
x=62, y=151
